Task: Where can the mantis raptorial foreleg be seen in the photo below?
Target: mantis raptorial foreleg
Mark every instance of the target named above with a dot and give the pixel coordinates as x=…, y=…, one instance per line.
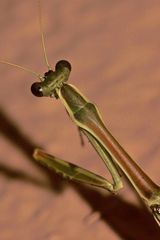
x=76, y=173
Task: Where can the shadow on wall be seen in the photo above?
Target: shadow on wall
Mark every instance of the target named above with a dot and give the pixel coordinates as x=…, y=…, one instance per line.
x=127, y=220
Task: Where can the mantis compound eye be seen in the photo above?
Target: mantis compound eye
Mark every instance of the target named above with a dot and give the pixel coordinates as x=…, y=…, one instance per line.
x=37, y=89
x=63, y=64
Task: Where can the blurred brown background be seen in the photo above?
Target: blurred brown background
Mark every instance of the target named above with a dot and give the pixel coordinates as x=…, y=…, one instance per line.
x=114, y=50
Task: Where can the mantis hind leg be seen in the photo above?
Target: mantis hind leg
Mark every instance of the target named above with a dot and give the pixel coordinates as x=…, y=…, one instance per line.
x=71, y=171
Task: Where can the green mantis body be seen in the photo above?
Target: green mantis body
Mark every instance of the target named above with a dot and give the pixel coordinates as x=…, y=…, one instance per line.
x=88, y=119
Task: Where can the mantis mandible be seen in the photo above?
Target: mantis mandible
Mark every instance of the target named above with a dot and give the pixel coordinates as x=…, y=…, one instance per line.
x=87, y=118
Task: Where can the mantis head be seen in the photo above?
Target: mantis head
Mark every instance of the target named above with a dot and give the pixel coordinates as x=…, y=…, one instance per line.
x=52, y=80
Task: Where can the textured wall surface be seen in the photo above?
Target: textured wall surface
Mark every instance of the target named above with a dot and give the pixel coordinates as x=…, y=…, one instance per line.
x=114, y=50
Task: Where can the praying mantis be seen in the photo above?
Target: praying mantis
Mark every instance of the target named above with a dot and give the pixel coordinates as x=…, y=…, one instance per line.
x=86, y=116
x=89, y=122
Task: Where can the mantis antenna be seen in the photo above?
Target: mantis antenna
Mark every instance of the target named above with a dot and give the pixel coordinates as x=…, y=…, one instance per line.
x=43, y=47
x=42, y=36
x=23, y=68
